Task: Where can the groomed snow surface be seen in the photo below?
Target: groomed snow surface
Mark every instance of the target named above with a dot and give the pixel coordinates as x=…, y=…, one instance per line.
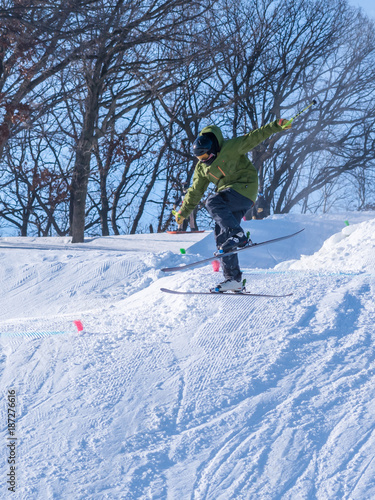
x=191, y=397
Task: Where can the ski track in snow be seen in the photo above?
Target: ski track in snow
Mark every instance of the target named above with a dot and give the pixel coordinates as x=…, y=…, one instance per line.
x=192, y=398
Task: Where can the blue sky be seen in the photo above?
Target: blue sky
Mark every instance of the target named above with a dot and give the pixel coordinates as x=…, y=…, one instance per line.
x=368, y=6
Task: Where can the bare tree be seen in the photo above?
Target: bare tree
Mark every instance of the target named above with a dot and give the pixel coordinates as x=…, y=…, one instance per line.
x=101, y=101
x=124, y=163
x=35, y=186
x=282, y=57
x=35, y=45
x=128, y=47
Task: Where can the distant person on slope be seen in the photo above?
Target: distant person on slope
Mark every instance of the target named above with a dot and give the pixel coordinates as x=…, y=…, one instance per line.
x=225, y=163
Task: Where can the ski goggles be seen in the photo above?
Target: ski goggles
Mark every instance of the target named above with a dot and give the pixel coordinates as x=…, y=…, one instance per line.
x=205, y=156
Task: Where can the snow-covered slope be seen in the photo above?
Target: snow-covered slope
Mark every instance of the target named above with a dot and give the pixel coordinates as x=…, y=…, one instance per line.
x=216, y=397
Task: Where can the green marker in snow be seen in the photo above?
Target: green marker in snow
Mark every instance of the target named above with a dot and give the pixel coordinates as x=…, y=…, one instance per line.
x=183, y=251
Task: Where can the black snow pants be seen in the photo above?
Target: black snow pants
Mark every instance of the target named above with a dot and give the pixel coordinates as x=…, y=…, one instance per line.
x=227, y=207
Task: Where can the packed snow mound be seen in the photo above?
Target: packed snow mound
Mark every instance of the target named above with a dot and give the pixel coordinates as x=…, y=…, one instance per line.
x=350, y=250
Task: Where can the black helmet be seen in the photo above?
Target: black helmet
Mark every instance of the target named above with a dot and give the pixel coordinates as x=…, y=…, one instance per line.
x=202, y=145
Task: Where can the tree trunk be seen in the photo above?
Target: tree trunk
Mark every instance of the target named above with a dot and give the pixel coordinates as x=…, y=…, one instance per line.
x=104, y=208
x=81, y=171
x=78, y=195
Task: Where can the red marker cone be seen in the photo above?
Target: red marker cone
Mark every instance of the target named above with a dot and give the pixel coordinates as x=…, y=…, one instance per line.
x=215, y=265
x=78, y=324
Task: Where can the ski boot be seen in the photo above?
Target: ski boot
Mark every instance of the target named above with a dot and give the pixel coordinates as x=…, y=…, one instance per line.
x=238, y=240
x=229, y=285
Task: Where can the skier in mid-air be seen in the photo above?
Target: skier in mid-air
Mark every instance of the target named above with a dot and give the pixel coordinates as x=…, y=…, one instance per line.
x=225, y=163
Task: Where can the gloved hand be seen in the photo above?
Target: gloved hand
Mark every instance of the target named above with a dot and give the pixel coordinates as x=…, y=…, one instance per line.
x=283, y=123
x=178, y=217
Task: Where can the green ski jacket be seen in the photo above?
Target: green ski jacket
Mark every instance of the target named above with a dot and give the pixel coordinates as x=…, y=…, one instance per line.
x=231, y=169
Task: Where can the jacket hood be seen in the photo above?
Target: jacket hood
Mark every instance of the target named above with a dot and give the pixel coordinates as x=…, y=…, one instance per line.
x=213, y=129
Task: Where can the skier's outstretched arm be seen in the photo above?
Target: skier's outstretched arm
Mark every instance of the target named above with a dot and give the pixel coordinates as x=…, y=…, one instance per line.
x=255, y=137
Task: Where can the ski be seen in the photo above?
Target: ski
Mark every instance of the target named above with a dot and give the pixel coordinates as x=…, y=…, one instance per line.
x=184, y=232
x=228, y=294
x=221, y=255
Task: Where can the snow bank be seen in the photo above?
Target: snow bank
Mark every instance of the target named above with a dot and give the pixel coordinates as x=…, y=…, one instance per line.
x=351, y=250
x=317, y=229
